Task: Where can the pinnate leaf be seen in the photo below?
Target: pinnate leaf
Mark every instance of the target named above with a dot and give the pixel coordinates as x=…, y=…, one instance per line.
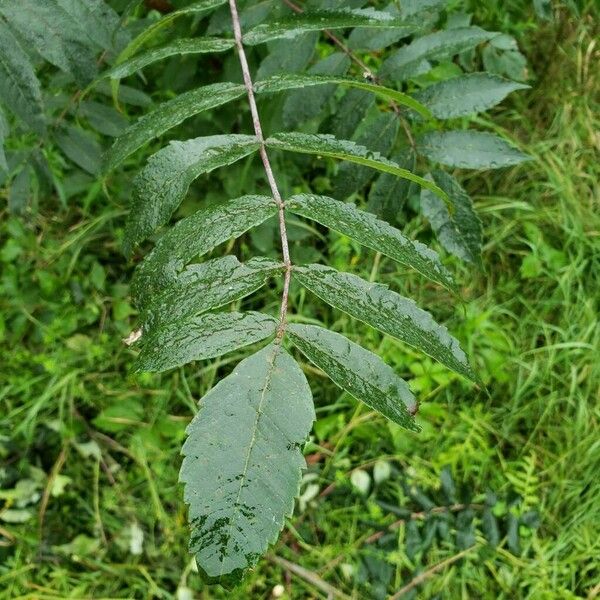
x=243, y=460
x=318, y=20
x=459, y=231
x=194, y=236
x=204, y=286
x=466, y=95
x=386, y=311
x=469, y=150
x=163, y=183
x=371, y=232
x=327, y=145
x=168, y=115
x=204, y=336
x=358, y=371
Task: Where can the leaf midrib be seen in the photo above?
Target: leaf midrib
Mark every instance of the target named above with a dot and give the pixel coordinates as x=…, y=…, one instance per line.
x=259, y=411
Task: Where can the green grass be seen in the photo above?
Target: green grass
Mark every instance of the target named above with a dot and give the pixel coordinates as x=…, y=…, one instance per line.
x=98, y=448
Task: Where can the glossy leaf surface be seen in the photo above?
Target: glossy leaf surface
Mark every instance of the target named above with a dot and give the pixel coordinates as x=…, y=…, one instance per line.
x=168, y=115
x=469, y=150
x=204, y=286
x=327, y=145
x=387, y=311
x=176, y=47
x=162, y=184
x=371, y=232
x=317, y=21
x=358, y=371
x=201, y=337
x=195, y=8
x=243, y=460
x=279, y=83
x=194, y=236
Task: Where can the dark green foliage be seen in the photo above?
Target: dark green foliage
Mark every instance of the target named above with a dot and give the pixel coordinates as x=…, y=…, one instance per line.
x=243, y=454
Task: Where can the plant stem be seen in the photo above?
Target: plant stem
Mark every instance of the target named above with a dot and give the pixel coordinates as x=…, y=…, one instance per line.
x=285, y=249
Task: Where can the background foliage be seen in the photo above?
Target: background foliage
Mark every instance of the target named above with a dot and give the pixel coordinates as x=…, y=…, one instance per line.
x=88, y=479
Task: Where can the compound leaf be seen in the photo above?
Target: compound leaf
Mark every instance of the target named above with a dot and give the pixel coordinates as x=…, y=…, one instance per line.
x=459, y=231
x=19, y=87
x=371, y=232
x=202, y=287
x=469, y=150
x=327, y=145
x=162, y=184
x=194, y=236
x=168, y=115
x=243, y=460
x=357, y=371
x=387, y=311
x=295, y=25
x=201, y=337
x=466, y=95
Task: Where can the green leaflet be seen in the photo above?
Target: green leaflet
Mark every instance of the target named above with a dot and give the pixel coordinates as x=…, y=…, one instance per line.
x=378, y=135
x=358, y=371
x=201, y=337
x=195, y=8
x=181, y=46
x=318, y=20
x=386, y=311
x=19, y=87
x=202, y=287
x=278, y=83
x=168, y=115
x=327, y=145
x=459, y=232
x=389, y=194
x=466, y=95
x=194, y=236
x=373, y=233
x=469, y=150
x=412, y=59
x=54, y=34
x=243, y=460
x=163, y=183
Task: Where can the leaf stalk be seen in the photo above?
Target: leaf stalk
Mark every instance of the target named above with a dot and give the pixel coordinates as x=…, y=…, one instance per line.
x=248, y=84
